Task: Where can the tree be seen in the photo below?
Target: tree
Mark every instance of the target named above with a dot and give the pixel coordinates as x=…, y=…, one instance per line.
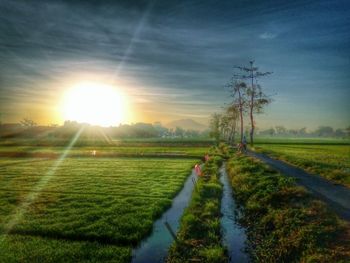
x=215, y=127
x=324, y=131
x=339, y=133
x=224, y=126
x=303, y=131
x=232, y=113
x=347, y=130
x=179, y=132
x=239, y=101
x=271, y=131
x=293, y=132
x=28, y=122
x=257, y=99
x=280, y=130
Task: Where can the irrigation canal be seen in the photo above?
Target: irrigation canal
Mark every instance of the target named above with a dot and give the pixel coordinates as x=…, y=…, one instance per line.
x=155, y=247
x=234, y=236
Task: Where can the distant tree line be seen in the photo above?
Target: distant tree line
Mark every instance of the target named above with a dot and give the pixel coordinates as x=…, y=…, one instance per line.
x=223, y=126
x=322, y=131
x=29, y=129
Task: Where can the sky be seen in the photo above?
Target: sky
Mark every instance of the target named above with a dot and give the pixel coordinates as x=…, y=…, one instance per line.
x=172, y=59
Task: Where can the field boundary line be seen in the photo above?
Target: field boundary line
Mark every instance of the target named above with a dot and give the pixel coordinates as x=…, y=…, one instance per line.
x=81, y=193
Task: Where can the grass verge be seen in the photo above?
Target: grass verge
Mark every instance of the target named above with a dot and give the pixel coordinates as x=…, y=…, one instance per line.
x=199, y=237
x=284, y=222
x=329, y=161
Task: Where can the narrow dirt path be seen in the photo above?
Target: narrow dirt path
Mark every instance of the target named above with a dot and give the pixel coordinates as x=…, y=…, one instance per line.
x=336, y=196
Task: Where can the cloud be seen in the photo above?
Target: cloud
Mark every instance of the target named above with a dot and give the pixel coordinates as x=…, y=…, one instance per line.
x=267, y=35
x=176, y=52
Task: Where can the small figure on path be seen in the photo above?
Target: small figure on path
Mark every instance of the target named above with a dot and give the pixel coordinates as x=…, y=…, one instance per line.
x=197, y=169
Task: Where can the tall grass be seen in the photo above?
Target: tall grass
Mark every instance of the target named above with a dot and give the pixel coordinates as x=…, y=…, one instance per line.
x=284, y=222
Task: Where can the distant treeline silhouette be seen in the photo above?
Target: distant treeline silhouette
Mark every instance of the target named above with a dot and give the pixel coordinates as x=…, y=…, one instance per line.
x=148, y=130
x=137, y=130
x=322, y=131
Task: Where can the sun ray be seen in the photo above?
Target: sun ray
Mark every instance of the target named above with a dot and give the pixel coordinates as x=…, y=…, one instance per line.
x=30, y=198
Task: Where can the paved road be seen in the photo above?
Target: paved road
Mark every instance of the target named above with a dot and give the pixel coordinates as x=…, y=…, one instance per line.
x=336, y=196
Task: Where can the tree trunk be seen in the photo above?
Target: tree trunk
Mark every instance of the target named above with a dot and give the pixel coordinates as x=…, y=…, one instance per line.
x=241, y=114
x=252, y=122
x=252, y=129
x=252, y=106
x=233, y=132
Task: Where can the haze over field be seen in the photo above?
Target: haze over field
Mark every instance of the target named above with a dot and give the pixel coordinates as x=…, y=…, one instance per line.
x=170, y=60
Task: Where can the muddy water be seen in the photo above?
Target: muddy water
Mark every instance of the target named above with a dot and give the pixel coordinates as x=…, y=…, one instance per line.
x=233, y=235
x=155, y=247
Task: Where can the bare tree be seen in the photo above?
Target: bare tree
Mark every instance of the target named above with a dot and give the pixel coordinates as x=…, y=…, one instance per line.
x=232, y=113
x=257, y=99
x=240, y=102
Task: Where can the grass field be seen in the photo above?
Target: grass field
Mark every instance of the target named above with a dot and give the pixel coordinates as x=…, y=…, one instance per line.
x=103, y=142
x=97, y=208
x=330, y=161
x=92, y=209
x=301, y=141
x=283, y=221
x=103, y=150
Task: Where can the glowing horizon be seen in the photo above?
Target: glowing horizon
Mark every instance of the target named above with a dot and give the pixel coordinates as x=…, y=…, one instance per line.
x=95, y=104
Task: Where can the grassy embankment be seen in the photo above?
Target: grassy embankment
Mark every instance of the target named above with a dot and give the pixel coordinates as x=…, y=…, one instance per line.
x=329, y=161
x=199, y=237
x=284, y=222
x=89, y=209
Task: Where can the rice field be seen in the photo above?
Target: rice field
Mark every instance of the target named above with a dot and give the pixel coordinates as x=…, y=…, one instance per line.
x=329, y=161
x=86, y=209
x=154, y=150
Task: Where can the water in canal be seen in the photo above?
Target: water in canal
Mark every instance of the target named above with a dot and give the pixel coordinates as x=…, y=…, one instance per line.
x=155, y=247
x=233, y=234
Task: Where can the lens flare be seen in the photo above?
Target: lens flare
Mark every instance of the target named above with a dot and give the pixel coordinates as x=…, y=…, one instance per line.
x=96, y=104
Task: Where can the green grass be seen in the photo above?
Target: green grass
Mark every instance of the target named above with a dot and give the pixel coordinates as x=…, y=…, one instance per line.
x=329, y=161
x=104, y=142
x=104, y=204
x=302, y=141
x=17, y=248
x=199, y=237
x=154, y=150
x=284, y=222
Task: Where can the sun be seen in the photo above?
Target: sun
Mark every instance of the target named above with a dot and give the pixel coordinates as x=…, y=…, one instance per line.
x=94, y=103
